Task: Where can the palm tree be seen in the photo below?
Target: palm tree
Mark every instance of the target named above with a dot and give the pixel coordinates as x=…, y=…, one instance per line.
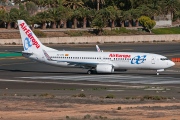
x=64, y=14
x=136, y=13
x=43, y=18
x=98, y=2
x=84, y=14
x=128, y=16
x=18, y=1
x=100, y=20
x=2, y=14
x=59, y=3
x=6, y=18
x=31, y=7
x=32, y=20
x=39, y=3
x=54, y=13
x=76, y=15
x=18, y=14
x=113, y=12
x=73, y=3
x=171, y=6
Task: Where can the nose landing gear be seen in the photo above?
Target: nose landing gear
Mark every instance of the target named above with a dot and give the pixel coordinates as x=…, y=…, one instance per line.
x=160, y=70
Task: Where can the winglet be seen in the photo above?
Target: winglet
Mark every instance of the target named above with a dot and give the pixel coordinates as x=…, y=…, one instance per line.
x=98, y=49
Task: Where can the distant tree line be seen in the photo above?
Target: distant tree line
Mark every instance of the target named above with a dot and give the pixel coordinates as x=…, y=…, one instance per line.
x=87, y=13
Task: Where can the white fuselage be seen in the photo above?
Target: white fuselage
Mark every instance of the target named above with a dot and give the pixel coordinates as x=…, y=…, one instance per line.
x=100, y=62
x=120, y=60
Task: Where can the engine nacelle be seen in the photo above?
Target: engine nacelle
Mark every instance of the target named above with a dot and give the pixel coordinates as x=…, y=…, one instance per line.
x=104, y=68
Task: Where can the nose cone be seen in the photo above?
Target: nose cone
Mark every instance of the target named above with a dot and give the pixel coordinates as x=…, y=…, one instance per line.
x=171, y=63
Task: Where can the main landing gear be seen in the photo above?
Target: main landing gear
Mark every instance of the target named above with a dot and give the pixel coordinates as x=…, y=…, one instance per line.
x=91, y=72
x=157, y=73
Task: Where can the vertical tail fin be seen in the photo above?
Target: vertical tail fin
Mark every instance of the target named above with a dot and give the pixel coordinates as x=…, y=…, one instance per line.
x=30, y=41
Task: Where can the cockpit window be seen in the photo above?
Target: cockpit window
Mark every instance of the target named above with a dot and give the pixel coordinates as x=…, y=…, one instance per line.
x=163, y=59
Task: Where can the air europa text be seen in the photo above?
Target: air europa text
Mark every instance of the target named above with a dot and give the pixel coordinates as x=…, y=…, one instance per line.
x=29, y=34
x=120, y=55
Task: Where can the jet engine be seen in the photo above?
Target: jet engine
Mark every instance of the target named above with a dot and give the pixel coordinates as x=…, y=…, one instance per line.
x=102, y=68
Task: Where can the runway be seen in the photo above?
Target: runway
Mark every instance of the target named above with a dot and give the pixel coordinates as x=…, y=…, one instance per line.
x=112, y=78
x=22, y=74
x=19, y=68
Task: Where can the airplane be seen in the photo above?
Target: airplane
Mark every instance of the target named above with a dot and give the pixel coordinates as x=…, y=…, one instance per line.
x=94, y=62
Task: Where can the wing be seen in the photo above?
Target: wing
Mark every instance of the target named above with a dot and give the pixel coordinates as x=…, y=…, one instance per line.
x=80, y=64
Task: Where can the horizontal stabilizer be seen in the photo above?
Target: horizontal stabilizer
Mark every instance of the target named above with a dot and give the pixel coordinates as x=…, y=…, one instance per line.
x=26, y=52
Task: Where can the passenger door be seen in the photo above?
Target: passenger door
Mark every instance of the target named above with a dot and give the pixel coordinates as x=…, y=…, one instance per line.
x=153, y=60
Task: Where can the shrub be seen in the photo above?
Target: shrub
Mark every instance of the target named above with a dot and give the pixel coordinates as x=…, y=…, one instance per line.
x=110, y=96
x=81, y=95
x=46, y=95
x=127, y=98
x=74, y=33
x=87, y=116
x=119, y=108
x=39, y=33
x=13, y=43
x=154, y=97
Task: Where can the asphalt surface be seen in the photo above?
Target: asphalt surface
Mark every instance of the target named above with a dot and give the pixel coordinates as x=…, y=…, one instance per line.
x=19, y=75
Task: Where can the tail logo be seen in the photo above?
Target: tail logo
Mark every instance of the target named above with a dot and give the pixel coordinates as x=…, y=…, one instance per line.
x=47, y=56
x=27, y=43
x=29, y=33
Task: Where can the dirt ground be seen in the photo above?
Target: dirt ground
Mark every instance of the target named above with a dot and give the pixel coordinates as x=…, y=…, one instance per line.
x=23, y=108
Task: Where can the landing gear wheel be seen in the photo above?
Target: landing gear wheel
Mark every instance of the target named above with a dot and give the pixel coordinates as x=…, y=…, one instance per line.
x=89, y=72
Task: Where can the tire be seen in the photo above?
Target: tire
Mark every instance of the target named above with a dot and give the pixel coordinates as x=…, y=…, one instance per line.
x=89, y=72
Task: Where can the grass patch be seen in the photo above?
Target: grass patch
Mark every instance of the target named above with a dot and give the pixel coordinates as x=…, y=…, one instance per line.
x=148, y=97
x=111, y=96
x=46, y=95
x=74, y=33
x=172, y=30
x=39, y=33
x=89, y=117
x=10, y=55
x=79, y=95
x=115, y=31
x=122, y=31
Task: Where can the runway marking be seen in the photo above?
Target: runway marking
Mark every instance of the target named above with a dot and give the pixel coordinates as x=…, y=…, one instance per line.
x=111, y=78
x=90, y=84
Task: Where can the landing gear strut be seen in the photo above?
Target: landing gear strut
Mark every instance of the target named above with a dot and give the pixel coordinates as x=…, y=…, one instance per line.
x=91, y=72
x=160, y=70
